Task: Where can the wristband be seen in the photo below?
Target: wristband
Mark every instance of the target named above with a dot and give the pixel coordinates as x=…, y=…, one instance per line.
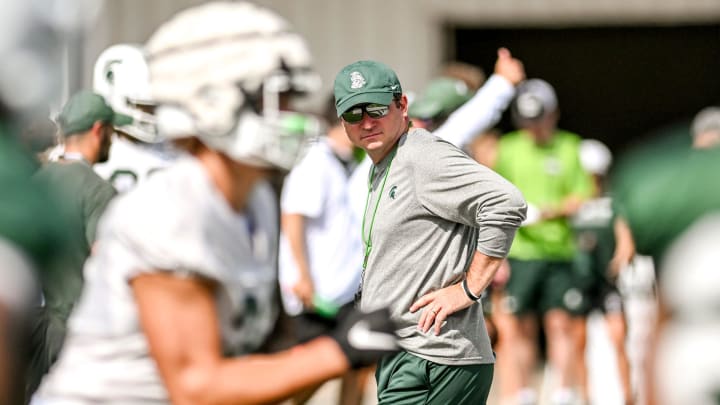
x=469, y=293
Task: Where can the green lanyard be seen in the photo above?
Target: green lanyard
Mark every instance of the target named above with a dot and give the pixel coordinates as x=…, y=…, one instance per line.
x=368, y=242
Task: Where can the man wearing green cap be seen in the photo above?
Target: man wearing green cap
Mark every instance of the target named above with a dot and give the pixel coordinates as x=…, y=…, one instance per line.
x=441, y=97
x=436, y=227
x=86, y=123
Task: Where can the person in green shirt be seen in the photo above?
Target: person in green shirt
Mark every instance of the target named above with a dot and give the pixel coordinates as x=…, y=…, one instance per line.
x=86, y=123
x=543, y=162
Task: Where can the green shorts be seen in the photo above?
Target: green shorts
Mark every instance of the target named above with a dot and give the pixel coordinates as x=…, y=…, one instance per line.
x=405, y=379
x=537, y=286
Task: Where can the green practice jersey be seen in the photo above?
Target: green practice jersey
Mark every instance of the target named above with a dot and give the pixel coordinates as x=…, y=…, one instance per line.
x=546, y=175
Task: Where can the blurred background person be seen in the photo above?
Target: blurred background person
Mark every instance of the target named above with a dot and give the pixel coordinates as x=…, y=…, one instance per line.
x=320, y=255
x=544, y=163
x=86, y=125
x=122, y=77
x=601, y=253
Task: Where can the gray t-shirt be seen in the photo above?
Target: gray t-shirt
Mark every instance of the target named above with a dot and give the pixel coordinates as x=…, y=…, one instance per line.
x=436, y=208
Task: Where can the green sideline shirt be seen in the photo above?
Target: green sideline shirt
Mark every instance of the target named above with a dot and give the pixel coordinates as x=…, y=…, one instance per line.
x=546, y=175
x=83, y=197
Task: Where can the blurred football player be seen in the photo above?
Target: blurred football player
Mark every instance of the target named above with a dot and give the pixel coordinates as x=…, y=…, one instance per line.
x=186, y=260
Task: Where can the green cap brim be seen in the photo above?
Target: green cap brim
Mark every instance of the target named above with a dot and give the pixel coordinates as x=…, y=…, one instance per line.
x=383, y=98
x=120, y=120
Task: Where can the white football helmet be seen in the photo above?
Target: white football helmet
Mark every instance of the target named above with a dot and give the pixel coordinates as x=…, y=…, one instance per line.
x=218, y=71
x=122, y=76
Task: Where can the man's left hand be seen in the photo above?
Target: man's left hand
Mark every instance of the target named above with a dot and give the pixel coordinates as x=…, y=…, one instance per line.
x=438, y=305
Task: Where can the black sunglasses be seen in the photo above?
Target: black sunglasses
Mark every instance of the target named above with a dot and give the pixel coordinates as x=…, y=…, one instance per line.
x=355, y=113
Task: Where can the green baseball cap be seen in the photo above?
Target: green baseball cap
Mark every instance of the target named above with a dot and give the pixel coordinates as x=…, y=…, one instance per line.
x=85, y=108
x=363, y=82
x=441, y=97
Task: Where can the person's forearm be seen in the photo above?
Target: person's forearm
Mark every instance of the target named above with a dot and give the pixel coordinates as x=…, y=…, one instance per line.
x=293, y=226
x=624, y=247
x=567, y=208
x=481, y=272
x=257, y=379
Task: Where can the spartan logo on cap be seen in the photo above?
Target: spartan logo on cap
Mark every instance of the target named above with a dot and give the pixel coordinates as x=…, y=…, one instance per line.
x=529, y=106
x=356, y=80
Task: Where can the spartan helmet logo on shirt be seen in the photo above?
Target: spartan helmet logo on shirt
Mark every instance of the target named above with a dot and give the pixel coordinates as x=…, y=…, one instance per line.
x=393, y=192
x=356, y=80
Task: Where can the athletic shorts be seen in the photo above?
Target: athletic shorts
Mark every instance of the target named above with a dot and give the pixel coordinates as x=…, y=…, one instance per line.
x=604, y=297
x=537, y=286
x=405, y=379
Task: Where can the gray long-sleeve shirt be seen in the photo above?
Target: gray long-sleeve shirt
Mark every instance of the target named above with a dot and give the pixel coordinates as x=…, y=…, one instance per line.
x=437, y=207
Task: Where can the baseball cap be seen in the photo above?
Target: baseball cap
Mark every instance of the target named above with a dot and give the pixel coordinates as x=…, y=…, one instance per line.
x=85, y=108
x=363, y=82
x=535, y=98
x=441, y=97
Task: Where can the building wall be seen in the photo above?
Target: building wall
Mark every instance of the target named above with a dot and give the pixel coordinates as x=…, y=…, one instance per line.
x=406, y=34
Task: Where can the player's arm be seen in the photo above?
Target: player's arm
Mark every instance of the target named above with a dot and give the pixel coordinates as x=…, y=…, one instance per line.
x=624, y=246
x=180, y=322
x=566, y=209
x=485, y=108
x=293, y=227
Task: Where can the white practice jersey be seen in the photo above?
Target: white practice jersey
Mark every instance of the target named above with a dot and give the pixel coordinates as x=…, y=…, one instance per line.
x=176, y=221
x=132, y=163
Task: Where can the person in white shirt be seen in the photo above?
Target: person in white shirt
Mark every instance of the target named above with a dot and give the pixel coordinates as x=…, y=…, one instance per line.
x=320, y=257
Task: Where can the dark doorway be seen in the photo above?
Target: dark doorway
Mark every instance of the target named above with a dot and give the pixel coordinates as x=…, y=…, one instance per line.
x=615, y=84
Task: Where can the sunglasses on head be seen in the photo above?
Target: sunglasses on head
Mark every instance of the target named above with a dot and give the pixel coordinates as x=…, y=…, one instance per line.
x=355, y=113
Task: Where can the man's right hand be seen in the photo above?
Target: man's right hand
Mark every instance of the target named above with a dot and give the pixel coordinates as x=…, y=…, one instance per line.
x=508, y=67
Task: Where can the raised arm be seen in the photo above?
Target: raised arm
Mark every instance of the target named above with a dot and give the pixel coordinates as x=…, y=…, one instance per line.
x=485, y=108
